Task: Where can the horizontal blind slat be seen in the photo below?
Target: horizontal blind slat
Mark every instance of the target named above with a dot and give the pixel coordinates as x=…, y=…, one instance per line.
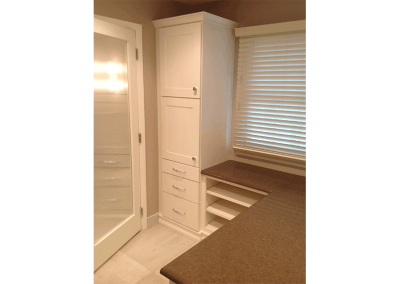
x=269, y=121
x=273, y=109
x=272, y=68
x=278, y=103
x=278, y=63
x=271, y=94
x=296, y=130
x=276, y=42
x=272, y=106
x=298, y=89
x=248, y=58
x=273, y=38
x=270, y=148
x=268, y=78
x=274, y=48
x=261, y=141
x=272, y=73
x=268, y=54
x=289, y=136
x=281, y=119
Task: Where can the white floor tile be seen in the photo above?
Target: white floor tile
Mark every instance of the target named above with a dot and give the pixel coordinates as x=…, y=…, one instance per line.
x=120, y=269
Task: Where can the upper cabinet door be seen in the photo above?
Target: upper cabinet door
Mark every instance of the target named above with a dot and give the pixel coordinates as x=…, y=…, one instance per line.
x=180, y=120
x=180, y=53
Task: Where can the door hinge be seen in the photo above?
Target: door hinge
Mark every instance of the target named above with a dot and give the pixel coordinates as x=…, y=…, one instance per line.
x=140, y=137
x=137, y=54
x=141, y=211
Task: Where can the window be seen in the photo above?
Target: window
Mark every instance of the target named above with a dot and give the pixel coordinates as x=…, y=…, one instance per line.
x=269, y=115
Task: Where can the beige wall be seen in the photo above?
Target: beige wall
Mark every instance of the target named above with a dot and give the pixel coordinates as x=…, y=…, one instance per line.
x=247, y=13
x=252, y=13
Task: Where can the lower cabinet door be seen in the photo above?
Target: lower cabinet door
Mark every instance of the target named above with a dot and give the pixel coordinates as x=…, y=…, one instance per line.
x=181, y=211
x=180, y=130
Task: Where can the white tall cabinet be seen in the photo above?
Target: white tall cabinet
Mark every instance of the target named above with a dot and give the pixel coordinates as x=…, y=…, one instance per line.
x=195, y=63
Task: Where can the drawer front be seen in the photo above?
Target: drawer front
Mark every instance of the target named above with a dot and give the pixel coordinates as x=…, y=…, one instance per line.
x=180, y=187
x=112, y=177
x=181, y=211
x=112, y=161
x=181, y=170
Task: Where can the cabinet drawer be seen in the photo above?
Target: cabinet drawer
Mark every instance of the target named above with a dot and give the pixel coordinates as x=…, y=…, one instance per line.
x=112, y=161
x=180, y=187
x=180, y=210
x=112, y=177
x=180, y=170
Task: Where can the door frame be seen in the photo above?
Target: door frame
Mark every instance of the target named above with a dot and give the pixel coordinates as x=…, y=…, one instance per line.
x=141, y=115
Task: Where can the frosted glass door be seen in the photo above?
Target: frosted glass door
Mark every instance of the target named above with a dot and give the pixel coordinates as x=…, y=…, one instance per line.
x=116, y=149
x=112, y=180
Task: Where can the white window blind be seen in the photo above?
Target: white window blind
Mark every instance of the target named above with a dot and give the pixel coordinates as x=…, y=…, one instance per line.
x=270, y=101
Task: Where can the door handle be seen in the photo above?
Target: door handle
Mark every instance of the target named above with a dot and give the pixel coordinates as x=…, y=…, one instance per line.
x=181, y=189
x=179, y=171
x=179, y=212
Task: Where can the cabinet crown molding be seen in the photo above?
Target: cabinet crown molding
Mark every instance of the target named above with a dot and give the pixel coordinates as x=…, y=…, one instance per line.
x=195, y=17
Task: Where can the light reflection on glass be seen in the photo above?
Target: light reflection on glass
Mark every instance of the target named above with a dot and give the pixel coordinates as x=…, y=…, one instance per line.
x=110, y=68
x=106, y=77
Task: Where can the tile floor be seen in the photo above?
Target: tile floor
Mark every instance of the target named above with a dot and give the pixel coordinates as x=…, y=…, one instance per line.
x=139, y=261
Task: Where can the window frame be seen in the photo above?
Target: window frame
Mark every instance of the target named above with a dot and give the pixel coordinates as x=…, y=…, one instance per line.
x=263, y=30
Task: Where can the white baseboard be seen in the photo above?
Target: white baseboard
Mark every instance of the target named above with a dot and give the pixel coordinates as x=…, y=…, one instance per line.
x=152, y=220
x=181, y=229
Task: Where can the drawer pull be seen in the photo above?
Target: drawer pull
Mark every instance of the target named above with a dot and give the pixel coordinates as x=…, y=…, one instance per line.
x=182, y=213
x=181, y=189
x=112, y=178
x=108, y=162
x=179, y=171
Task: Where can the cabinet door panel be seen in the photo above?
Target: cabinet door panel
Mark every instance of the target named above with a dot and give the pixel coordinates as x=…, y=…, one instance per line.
x=180, y=53
x=180, y=125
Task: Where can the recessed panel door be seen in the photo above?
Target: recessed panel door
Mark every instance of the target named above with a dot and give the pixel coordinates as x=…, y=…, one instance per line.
x=180, y=53
x=180, y=120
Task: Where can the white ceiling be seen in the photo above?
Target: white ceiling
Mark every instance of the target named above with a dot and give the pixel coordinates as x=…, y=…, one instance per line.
x=194, y=2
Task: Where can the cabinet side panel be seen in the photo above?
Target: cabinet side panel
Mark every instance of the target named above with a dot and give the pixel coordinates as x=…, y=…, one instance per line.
x=217, y=83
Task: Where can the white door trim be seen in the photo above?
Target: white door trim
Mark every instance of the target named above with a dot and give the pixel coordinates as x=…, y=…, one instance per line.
x=143, y=187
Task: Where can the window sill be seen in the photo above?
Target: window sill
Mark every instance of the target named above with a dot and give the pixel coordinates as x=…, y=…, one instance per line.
x=283, y=159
